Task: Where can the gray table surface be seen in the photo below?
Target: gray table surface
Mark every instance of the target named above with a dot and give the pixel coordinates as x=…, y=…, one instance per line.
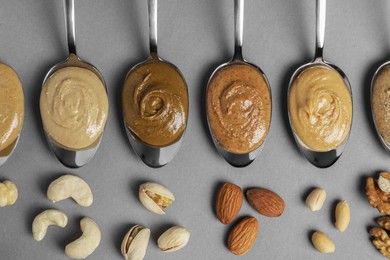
x=196, y=35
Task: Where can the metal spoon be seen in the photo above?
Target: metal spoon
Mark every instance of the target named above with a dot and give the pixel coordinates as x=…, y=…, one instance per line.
x=154, y=156
x=237, y=160
x=73, y=158
x=328, y=158
x=385, y=144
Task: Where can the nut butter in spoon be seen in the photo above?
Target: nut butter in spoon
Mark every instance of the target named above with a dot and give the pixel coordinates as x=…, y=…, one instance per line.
x=320, y=104
x=155, y=104
x=73, y=104
x=11, y=111
x=238, y=102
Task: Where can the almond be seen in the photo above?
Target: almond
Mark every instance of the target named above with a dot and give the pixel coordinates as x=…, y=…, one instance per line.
x=228, y=203
x=266, y=202
x=243, y=236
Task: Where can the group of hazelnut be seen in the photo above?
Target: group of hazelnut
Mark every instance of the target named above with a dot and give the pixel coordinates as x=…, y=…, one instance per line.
x=378, y=194
x=229, y=201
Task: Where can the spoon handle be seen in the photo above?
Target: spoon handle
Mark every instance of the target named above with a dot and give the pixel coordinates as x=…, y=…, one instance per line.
x=152, y=4
x=238, y=28
x=70, y=25
x=321, y=17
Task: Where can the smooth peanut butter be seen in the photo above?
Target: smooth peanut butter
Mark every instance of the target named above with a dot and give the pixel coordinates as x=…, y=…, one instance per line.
x=11, y=106
x=381, y=103
x=155, y=103
x=239, y=108
x=74, y=107
x=320, y=107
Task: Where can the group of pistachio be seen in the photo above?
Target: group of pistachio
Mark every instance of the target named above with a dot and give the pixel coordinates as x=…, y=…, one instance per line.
x=156, y=198
x=69, y=186
x=320, y=240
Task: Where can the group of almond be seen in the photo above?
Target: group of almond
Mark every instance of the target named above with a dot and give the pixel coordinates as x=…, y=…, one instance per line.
x=228, y=204
x=321, y=241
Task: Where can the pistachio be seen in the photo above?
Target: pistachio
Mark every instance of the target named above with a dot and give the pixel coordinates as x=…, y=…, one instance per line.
x=173, y=239
x=316, y=199
x=155, y=197
x=343, y=216
x=135, y=243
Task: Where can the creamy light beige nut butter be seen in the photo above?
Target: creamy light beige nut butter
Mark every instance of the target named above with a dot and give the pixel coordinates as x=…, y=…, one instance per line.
x=320, y=108
x=74, y=107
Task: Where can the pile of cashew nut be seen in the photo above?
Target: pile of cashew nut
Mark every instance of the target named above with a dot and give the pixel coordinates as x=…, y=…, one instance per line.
x=69, y=186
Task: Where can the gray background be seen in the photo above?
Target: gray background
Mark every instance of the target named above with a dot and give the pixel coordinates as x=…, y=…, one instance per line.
x=196, y=35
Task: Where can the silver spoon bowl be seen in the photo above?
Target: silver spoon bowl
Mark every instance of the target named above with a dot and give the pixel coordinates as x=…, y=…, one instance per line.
x=319, y=159
x=68, y=157
x=6, y=153
x=386, y=145
x=154, y=156
x=235, y=159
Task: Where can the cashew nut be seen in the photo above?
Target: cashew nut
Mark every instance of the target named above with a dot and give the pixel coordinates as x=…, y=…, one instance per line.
x=70, y=186
x=85, y=245
x=8, y=193
x=45, y=219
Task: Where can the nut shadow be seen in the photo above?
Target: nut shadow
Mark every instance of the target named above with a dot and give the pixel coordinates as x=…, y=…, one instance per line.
x=119, y=232
x=44, y=181
x=159, y=229
x=362, y=186
x=306, y=193
x=215, y=190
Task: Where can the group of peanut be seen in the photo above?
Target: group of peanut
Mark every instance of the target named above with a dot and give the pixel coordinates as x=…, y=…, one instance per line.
x=320, y=240
x=229, y=201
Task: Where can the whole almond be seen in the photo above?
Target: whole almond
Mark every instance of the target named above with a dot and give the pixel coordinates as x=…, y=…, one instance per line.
x=243, y=236
x=228, y=203
x=266, y=202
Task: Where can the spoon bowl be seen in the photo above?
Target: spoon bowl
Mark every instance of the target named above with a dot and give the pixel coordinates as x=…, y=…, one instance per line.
x=154, y=156
x=320, y=159
x=385, y=144
x=70, y=157
x=73, y=158
x=236, y=159
x=151, y=155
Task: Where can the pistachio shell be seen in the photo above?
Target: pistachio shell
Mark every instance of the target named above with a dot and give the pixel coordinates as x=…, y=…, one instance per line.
x=134, y=245
x=157, y=189
x=173, y=239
